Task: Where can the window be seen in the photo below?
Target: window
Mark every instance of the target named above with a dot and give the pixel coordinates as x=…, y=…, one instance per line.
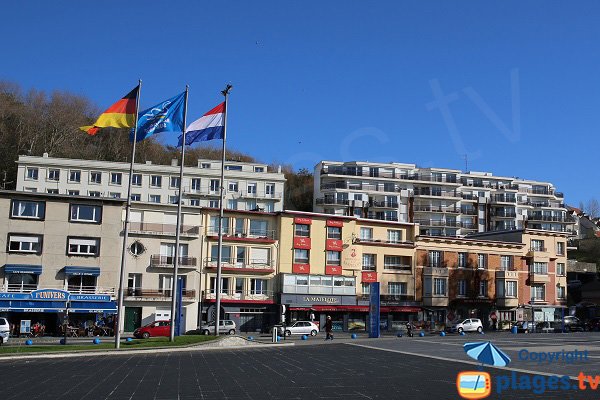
x=300, y=256
x=334, y=232
x=483, y=288
x=195, y=202
x=251, y=205
x=154, y=198
x=462, y=287
x=115, y=195
x=134, y=283
x=95, y=177
x=239, y=285
x=82, y=284
x=136, y=180
x=366, y=288
x=136, y=197
x=394, y=262
x=214, y=224
x=334, y=257
x=86, y=213
x=232, y=204
x=214, y=185
x=258, y=286
x=560, y=248
x=19, y=243
x=174, y=182
x=258, y=228
x=511, y=289
x=539, y=268
x=561, y=292
x=366, y=234
x=240, y=255
x=232, y=186
x=155, y=181
x=173, y=199
x=225, y=253
x=537, y=245
x=368, y=262
x=462, y=260
x=54, y=175
x=22, y=282
x=481, y=261
x=506, y=263
x=83, y=247
x=116, y=178
x=259, y=169
x=167, y=250
x=32, y=173
x=439, y=286
x=73, y=192
x=560, y=269
x=538, y=292
x=252, y=188
x=74, y=176
x=394, y=236
x=435, y=258
x=52, y=191
x=195, y=184
x=270, y=188
x=224, y=285
x=165, y=284
x=94, y=193
x=28, y=209
x=233, y=167
x=302, y=230
x=137, y=248
x=397, y=288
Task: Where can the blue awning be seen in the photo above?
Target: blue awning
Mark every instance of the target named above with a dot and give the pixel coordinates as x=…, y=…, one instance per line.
x=22, y=269
x=87, y=271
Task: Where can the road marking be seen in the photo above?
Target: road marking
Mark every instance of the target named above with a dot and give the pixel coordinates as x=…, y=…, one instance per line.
x=457, y=361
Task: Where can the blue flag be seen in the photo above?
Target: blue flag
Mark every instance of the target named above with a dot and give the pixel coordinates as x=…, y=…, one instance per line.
x=166, y=116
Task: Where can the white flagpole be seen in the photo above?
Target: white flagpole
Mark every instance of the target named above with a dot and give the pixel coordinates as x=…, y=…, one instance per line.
x=220, y=246
x=121, y=293
x=174, y=285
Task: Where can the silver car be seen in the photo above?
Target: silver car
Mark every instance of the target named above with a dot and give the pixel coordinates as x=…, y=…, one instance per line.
x=302, y=328
x=225, y=326
x=4, y=330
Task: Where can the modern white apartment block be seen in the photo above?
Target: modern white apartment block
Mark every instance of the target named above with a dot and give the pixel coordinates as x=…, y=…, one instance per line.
x=444, y=202
x=248, y=186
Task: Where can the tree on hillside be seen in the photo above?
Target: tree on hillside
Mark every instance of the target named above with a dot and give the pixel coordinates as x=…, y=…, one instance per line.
x=299, y=189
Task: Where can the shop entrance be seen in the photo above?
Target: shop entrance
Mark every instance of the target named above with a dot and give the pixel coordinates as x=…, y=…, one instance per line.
x=133, y=318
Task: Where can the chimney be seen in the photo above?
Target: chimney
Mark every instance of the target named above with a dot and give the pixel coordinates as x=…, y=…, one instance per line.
x=279, y=169
x=174, y=162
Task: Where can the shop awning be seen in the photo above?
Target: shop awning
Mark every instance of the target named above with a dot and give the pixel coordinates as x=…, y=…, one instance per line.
x=22, y=269
x=85, y=271
x=409, y=309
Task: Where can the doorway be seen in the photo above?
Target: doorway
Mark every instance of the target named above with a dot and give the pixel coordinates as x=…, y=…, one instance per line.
x=133, y=318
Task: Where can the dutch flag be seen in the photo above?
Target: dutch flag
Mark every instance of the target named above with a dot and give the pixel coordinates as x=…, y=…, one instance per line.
x=208, y=127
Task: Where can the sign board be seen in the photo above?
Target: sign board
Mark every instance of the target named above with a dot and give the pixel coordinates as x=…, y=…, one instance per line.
x=374, y=310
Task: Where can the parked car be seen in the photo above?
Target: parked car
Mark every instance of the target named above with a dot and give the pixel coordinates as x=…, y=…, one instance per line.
x=524, y=327
x=466, y=325
x=573, y=324
x=545, y=327
x=593, y=324
x=4, y=330
x=302, y=328
x=225, y=326
x=156, y=328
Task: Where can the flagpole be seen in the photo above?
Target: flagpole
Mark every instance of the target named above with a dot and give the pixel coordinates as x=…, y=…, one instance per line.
x=174, y=285
x=220, y=246
x=121, y=292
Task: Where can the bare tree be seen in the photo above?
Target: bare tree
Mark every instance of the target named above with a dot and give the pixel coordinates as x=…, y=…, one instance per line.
x=593, y=208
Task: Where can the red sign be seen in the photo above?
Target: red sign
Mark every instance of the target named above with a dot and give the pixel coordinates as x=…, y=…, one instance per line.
x=369, y=277
x=333, y=270
x=302, y=243
x=301, y=268
x=335, y=222
x=302, y=221
x=334, y=244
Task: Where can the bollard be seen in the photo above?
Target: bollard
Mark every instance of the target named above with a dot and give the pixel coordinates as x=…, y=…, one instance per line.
x=513, y=330
x=482, y=333
x=62, y=341
x=399, y=334
x=250, y=337
x=421, y=334
x=28, y=342
x=304, y=337
x=442, y=333
x=278, y=338
x=96, y=341
x=353, y=336
x=462, y=334
x=274, y=335
x=129, y=340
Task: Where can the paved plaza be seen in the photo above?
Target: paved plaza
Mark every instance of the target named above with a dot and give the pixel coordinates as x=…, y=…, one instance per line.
x=387, y=368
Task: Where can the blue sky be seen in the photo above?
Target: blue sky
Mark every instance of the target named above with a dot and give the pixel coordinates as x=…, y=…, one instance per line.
x=344, y=80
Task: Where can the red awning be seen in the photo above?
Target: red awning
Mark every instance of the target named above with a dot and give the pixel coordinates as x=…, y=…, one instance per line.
x=300, y=308
x=341, y=308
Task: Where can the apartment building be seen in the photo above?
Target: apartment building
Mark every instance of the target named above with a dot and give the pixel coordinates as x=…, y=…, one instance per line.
x=248, y=186
x=326, y=264
x=248, y=268
x=493, y=276
x=444, y=202
x=59, y=256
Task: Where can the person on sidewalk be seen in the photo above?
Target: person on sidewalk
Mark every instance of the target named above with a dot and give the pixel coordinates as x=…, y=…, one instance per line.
x=329, y=328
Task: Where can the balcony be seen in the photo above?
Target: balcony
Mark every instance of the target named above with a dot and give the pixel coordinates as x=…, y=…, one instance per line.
x=203, y=192
x=381, y=217
x=235, y=265
x=437, y=209
x=468, y=211
x=138, y=294
x=163, y=229
x=260, y=195
x=374, y=241
x=436, y=193
x=430, y=222
x=327, y=201
x=158, y=260
x=507, y=274
x=503, y=213
x=243, y=234
x=498, y=198
x=547, y=218
x=383, y=204
x=231, y=296
x=73, y=289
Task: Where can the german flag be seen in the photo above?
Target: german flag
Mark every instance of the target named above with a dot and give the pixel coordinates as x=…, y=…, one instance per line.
x=119, y=115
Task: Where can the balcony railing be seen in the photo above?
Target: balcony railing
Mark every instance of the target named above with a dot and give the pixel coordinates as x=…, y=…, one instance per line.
x=430, y=222
x=504, y=199
x=381, y=217
x=437, y=193
x=397, y=267
x=330, y=201
x=385, y=241
x=162, y=294
x=247, y=295
x=503, y=213
x=383, y=204
x=468, y=211
x=388, y=297
x=550, y=218
x=162, y=229
x=259, y=195
x=201, y=191
x=244, y=233
x=157, y=260
x=428, y=208
x=234, y=263
x=75, y=289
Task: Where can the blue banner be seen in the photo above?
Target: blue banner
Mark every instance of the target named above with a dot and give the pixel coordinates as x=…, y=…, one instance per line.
x=179, y=307
x=374, y=305
x=163, y=117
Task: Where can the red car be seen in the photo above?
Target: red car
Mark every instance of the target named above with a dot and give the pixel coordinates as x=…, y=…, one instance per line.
x=156, y=328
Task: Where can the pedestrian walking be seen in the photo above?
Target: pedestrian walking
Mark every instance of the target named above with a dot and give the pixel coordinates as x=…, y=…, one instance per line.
x=329, y=328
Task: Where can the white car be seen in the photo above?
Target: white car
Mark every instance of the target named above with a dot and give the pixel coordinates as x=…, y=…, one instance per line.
x=225, y=326
x=302, y=328
x=467, y=325
x=4, y=330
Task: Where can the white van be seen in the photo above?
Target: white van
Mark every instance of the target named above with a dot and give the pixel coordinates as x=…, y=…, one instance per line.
x=4, y=330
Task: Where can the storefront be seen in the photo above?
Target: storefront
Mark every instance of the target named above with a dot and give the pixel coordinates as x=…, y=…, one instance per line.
x=47, y=306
